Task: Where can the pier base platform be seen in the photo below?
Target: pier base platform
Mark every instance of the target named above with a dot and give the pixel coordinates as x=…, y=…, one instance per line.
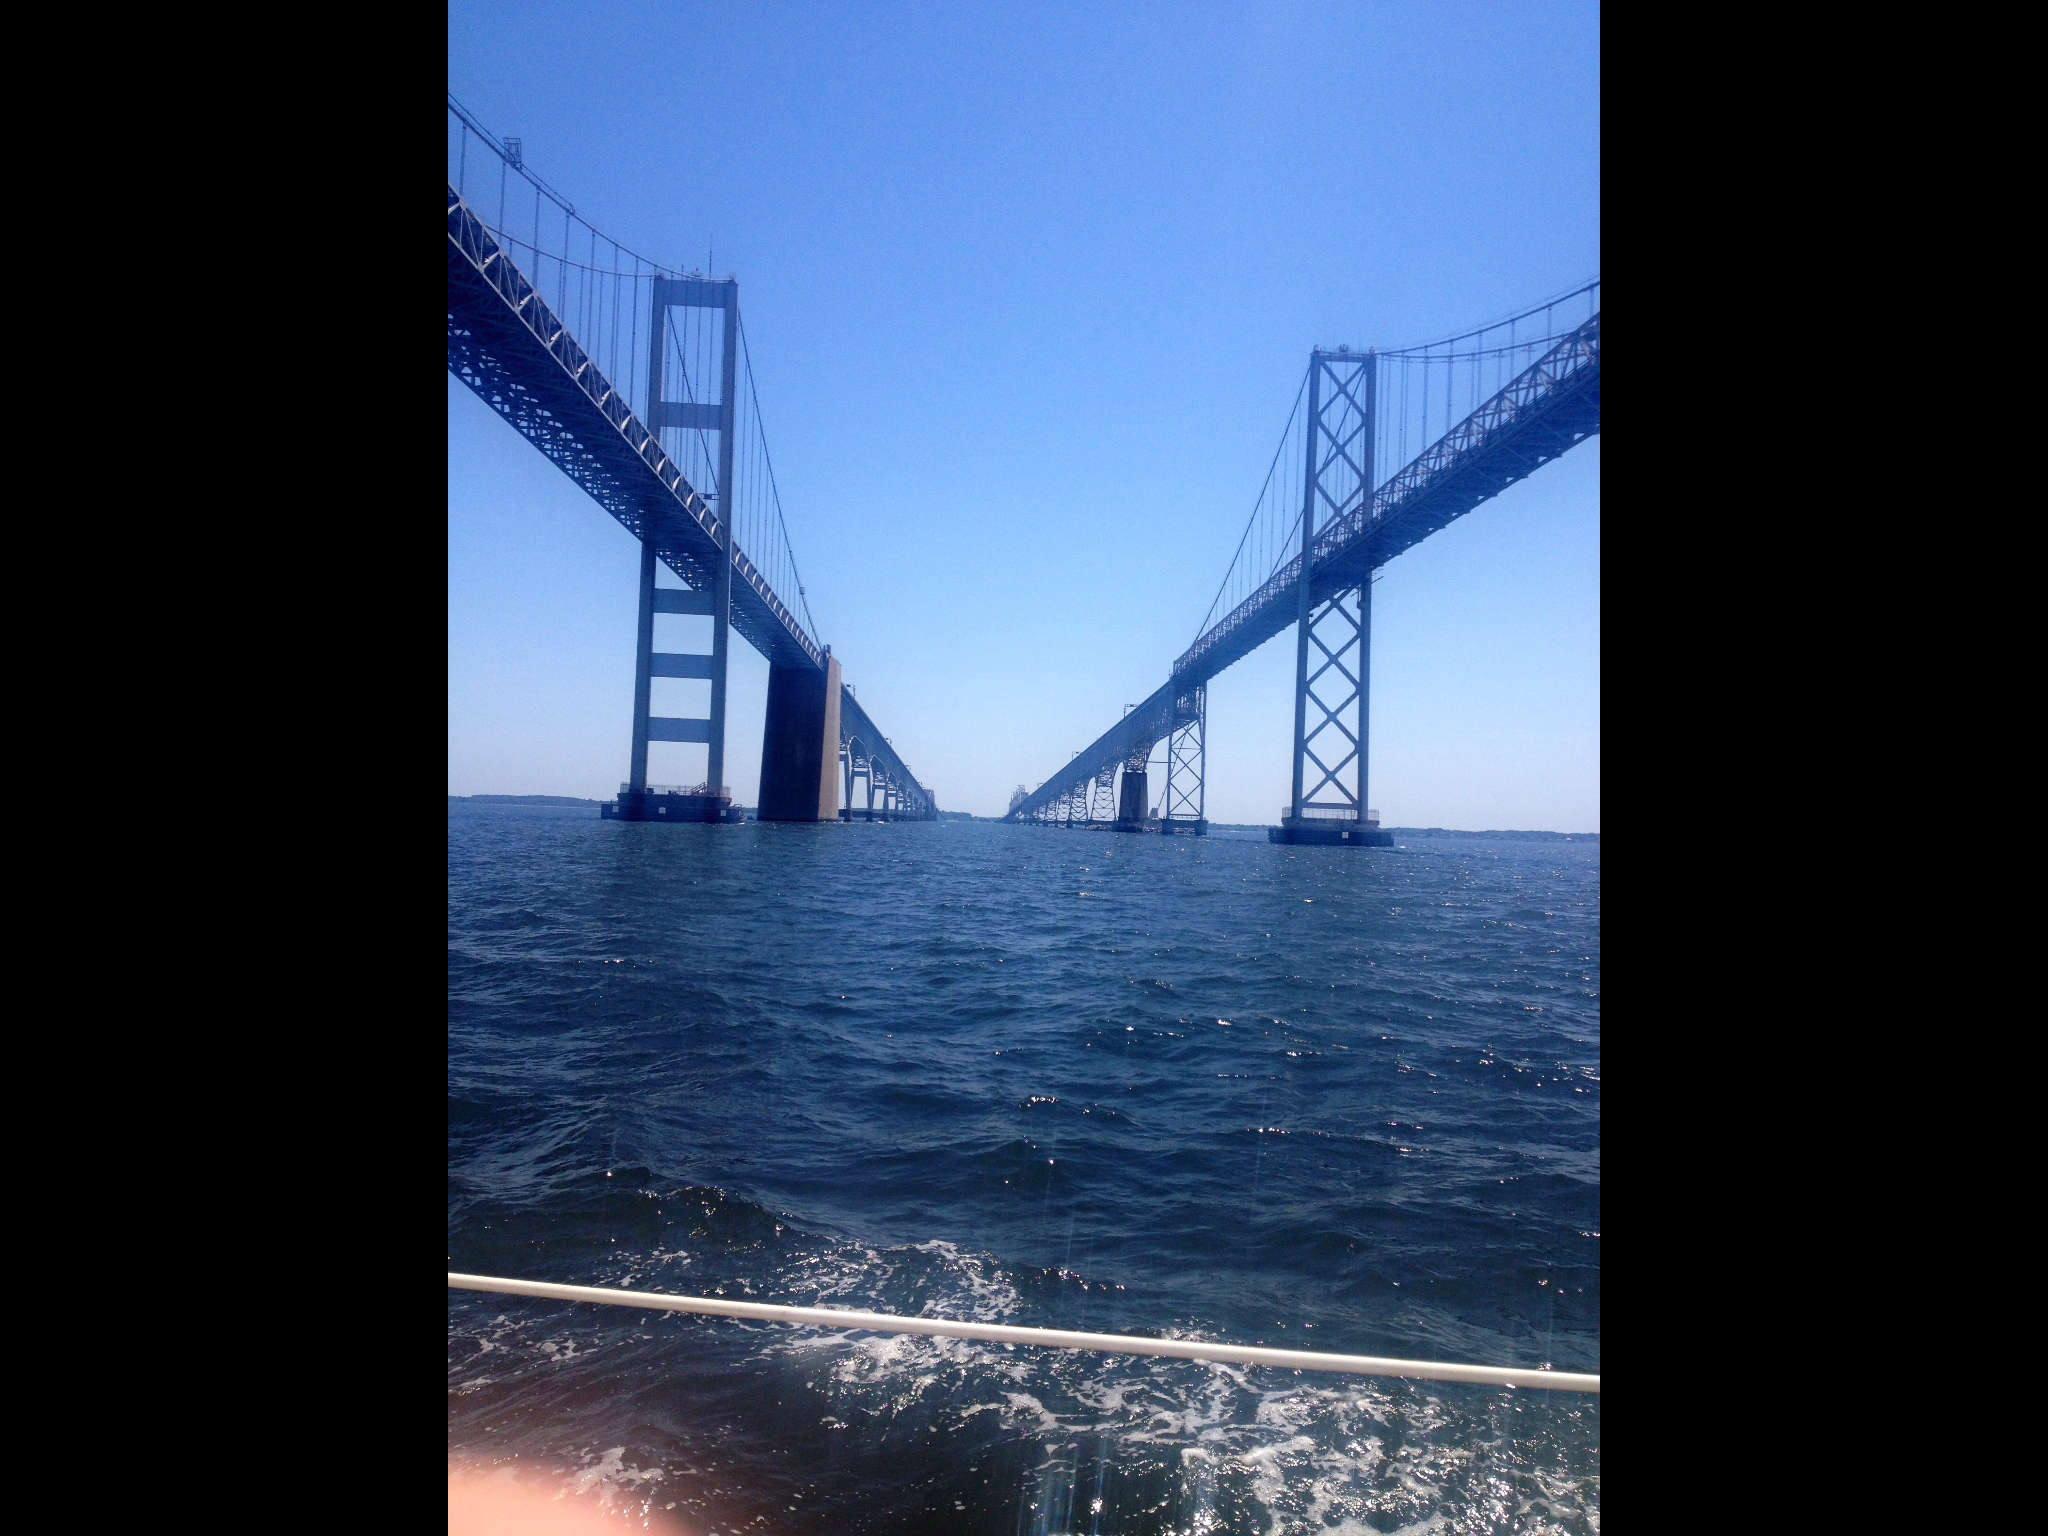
x=1340, y=834
x=672, y=805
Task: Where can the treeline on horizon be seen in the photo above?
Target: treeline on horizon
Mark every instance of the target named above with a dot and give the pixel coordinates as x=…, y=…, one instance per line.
x=525, y=799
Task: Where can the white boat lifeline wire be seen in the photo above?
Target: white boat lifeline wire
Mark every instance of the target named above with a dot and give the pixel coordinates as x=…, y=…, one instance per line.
x=1051, y=1338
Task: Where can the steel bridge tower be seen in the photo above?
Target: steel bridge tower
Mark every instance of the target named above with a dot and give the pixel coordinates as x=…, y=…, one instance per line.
x=1333, y=686
x=714, y=600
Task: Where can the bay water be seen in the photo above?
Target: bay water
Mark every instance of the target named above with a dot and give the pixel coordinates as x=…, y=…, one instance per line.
x=1318, y=1098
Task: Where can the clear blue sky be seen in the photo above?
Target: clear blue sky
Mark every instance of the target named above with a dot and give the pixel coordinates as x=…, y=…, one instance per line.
x=1029, y=291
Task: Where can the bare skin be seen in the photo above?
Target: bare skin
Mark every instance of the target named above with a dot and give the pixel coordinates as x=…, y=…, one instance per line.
x=482, y=1505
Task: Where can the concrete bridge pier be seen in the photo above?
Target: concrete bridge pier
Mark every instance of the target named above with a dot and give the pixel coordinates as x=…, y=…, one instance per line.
x=1133, y=806
x=800, y=744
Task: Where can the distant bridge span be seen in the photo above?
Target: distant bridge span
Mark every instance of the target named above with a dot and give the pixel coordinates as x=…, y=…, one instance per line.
x=1347, y=524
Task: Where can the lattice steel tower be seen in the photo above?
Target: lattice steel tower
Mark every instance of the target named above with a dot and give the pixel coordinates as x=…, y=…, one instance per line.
x=1337, y=681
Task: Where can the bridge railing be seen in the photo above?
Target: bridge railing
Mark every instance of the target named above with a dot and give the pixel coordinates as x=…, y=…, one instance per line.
x=1539, y=1378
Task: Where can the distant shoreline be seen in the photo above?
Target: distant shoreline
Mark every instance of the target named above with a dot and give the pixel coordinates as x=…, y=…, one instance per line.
x=1523, y=837
x=1243, y=826
x=1218, y=826
x=520, y=800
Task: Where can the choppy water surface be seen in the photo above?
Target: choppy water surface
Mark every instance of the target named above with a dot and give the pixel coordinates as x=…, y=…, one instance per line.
x=1312, y=1097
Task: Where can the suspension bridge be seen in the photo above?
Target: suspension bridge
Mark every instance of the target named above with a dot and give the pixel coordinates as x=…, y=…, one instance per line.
x=1327, y=518
x=635, y=380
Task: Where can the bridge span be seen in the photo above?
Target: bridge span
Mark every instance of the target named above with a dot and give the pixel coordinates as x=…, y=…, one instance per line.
x=684, y=467
x=1326, y=520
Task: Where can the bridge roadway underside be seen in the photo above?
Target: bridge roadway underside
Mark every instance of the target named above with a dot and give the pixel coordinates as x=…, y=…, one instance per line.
x=1561, y=420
